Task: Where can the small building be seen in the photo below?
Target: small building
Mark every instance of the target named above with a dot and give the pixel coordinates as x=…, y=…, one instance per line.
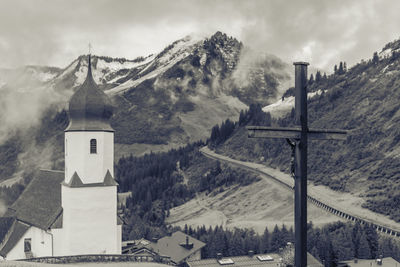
x=386, y=262
x=174, y=249
x=179, y=247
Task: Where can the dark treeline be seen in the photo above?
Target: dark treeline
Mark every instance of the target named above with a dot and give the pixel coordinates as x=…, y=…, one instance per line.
x=9, y=194
x=155, y=183
x=253, y=116
x=330, y=244
x=239, y=242
x=345, y=241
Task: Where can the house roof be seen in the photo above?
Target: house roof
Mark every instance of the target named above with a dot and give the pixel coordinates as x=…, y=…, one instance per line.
x=173, y=246
x=388, y=261
x=17, y=230
x=40, y=203
x=253, y=261
x=5, y=225
x=237, y=261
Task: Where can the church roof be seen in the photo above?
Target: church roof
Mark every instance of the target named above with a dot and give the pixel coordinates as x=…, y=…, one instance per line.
x=5, y=225
x=89, y=107
x=16, y=231
x=40, y=203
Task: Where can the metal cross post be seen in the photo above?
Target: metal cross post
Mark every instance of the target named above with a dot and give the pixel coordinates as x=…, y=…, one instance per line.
x=300, y=135
x=90, y=48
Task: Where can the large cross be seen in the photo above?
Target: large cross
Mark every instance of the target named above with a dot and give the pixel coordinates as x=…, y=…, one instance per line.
x=301, y=135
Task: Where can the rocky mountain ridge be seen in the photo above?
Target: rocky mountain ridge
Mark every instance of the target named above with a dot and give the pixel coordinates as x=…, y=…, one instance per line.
x=163, y=100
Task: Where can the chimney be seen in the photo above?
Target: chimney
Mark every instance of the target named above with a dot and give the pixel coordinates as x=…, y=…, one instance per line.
x=251, y=253
x=379, y=261
x=219, y=256
x=187, y=241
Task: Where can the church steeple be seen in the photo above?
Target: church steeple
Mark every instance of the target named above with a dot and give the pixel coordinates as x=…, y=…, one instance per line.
x=89, y=191
x=89, y=138
x=89, y=107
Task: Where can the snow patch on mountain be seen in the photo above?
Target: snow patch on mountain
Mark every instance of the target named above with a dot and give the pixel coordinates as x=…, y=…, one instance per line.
x=283, y=106
x=164, y=61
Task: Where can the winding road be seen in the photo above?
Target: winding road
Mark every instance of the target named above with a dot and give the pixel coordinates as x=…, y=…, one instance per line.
x=323, y=201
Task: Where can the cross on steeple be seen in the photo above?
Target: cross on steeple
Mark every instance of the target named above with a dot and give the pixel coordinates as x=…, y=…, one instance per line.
x=300, y=135
x=90, y=48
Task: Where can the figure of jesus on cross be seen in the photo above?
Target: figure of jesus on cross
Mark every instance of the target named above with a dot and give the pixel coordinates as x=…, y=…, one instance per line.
x=301, y=135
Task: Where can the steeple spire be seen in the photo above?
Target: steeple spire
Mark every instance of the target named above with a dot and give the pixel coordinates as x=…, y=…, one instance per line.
x=89, y=73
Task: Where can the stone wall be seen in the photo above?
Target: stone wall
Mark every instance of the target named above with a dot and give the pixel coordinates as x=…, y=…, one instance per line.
x=97, y=258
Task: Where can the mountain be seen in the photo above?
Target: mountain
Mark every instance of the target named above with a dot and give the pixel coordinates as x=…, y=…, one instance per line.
x=163, y=100
x=363, y=100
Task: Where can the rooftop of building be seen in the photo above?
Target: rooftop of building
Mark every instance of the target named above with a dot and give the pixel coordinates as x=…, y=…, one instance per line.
x=257, y=260
x=385, y=262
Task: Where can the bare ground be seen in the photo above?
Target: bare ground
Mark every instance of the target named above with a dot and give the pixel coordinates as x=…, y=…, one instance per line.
x=261, y=204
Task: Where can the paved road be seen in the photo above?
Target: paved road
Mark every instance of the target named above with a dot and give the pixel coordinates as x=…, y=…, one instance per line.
x=314, y=196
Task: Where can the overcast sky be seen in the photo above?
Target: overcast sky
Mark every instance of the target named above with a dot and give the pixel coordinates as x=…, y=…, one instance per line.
x=55, y=32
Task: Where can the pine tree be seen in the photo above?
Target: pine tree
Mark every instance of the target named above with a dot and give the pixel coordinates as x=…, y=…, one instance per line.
x=335, y=70
x=285, y=237
x=265, y=242
x=318, y=76
x=340, y=71
x=236, y=246
x=363, y=251
x=276, y=239
x=372, y=238
x=357, y=231
x=342, y=243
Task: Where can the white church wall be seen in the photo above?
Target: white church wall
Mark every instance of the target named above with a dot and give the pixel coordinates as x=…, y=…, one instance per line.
x=58, y=242
x=41, y=244
x=91, y=168
x=89, y=220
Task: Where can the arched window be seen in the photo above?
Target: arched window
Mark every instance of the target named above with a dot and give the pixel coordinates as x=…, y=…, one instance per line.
x=93, y=146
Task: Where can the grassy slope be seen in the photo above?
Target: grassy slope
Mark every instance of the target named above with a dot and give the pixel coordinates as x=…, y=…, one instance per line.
x=365, y=102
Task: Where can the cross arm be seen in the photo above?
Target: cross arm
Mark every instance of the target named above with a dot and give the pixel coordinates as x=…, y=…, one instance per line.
x=294, y=133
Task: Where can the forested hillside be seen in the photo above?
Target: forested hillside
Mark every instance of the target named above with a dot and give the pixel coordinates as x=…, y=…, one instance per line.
x=161, y=181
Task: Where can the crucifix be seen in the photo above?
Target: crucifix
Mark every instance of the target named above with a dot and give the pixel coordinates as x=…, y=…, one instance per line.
x=298, y=137
x=90, y=48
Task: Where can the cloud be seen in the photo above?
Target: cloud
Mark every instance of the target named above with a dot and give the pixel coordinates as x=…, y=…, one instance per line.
x=54, y=32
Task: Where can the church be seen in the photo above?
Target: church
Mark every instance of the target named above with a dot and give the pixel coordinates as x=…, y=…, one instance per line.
x=72, y=212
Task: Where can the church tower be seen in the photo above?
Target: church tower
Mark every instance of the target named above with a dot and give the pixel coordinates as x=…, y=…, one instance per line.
x=89, y=191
